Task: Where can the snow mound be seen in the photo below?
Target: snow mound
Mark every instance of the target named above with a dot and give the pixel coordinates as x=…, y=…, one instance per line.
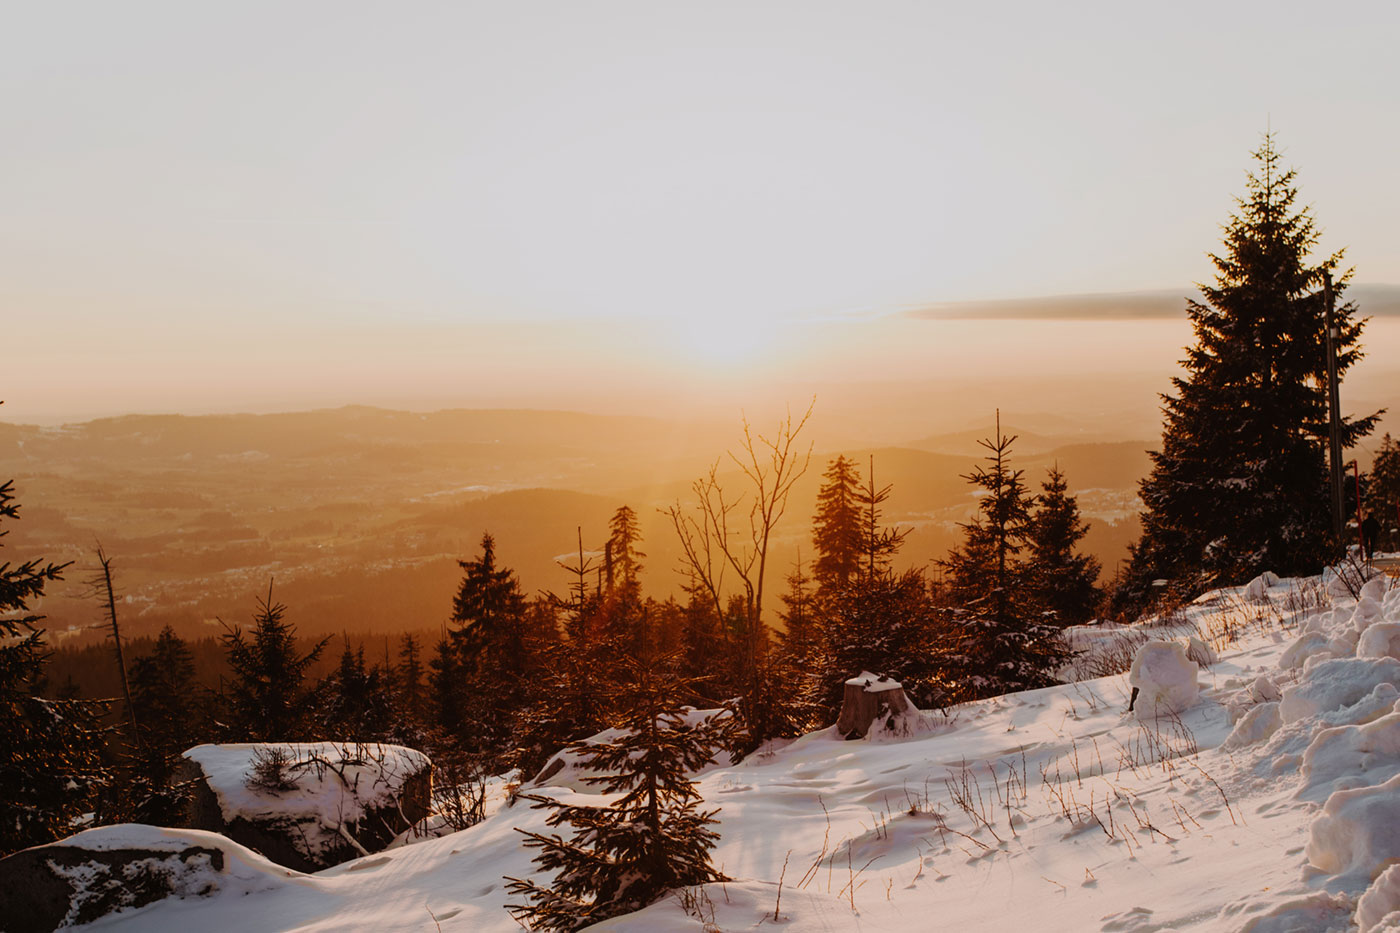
x=1345, y=757
x=1257, y=725
x=1200, y=652
x=1358, y=831
x=1318, y=911
x=1336, y=683
x=1165, y=678
x=1379, y=908
x=1379, y=640
x=1305, y=646
x=1258, y=588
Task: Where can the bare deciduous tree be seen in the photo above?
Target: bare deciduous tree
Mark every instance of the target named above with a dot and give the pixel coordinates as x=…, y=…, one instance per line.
x=722, y=537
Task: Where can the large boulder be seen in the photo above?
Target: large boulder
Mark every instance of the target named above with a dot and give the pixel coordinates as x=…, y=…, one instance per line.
x=308, y=805
x=119, y=868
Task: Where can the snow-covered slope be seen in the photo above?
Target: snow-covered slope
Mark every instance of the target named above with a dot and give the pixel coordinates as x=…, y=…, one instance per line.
x=1271, y=804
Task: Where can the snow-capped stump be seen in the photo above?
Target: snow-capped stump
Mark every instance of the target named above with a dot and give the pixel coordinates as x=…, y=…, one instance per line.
x=1165, y=679
x=308, y=805
x=868, y=697
x=100, y=871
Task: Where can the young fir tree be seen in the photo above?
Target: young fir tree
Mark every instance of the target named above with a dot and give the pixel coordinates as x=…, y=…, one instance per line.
x=268, y=697
x=1062, y=581
x=652, y=838
x=1240, y=484
x=1005, y=642
x=836, y=527
x=50, y=750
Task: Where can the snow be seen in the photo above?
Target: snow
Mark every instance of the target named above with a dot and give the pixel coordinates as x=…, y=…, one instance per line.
x=1165, y=677
x=874, y=683
x=1270, y=802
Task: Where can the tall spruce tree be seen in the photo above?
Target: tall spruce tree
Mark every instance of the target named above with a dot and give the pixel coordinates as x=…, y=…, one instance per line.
x=1240, y=484
x=837, y=528
x=1005, y=642
x=51, y=766
x=1063, y=581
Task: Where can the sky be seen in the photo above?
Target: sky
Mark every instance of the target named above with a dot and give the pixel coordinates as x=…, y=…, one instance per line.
x=254, y=205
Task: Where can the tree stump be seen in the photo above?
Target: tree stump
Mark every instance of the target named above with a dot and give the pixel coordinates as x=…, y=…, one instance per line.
x=867, y=697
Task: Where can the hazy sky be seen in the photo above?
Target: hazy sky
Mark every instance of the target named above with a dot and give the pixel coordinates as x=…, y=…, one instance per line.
x=235, y=205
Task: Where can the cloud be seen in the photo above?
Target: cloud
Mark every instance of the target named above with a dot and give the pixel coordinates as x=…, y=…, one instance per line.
x=1371, y=301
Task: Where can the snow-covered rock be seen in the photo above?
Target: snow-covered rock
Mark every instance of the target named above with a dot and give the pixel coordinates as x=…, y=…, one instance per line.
x=1336, y=683
x=1165, y=678
x=308, y=805
x=122, y=868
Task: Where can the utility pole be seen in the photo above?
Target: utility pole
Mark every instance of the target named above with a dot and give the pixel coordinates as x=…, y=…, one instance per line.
x=1334, y=405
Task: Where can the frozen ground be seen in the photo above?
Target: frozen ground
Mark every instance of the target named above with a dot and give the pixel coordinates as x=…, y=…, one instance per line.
x=1270, y=803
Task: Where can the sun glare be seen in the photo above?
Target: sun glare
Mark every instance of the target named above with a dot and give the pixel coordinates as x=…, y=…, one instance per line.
x=724, y=345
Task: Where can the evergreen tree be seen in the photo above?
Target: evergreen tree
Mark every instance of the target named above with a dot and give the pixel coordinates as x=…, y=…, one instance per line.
x=624, y=559
x=652, y=839
x=489, y=610
x=1383, y=492
x=1240, y=484
x=358, y=702
x=878, y=544
x=408, y=678
x=268, y=698
x=170, y=719
x=1004, y=642
x=50, y=750
x=837, y=530
x=1062, y=581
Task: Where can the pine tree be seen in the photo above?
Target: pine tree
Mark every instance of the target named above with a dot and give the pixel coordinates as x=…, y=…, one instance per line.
x=268, y=697
x=489, y=610
x=1383, y=492
x=408, y=679
x=624, y=559
x=171, y=718
x=837, y=529
x=650, y=840
x=878, y=544
x=1005, y=643
x=358, y=702
x=1240, y=484
x=1062, y=581
x=50, y=750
